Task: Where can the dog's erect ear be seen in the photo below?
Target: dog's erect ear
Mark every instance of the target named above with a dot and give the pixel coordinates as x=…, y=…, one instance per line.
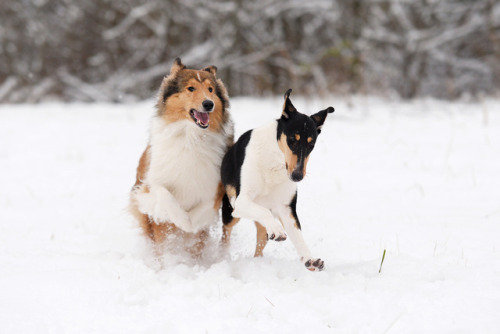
x=319, y=117
x=288, y=108
x=177, y=66
x=211, y=69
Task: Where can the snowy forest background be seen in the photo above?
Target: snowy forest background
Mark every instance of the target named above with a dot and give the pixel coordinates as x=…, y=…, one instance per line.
x=397, y=174
x=104, y=50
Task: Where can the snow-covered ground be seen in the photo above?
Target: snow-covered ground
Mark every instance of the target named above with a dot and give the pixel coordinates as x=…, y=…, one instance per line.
x=418, y=179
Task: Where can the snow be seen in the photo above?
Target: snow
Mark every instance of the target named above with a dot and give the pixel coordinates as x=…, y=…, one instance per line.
x=419, y=179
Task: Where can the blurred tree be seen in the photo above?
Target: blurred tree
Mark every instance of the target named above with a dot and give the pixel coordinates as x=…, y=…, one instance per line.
x=438, y=48
x=119, y=50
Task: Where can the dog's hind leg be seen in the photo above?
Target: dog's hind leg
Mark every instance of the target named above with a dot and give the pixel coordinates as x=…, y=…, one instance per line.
x=157, y=233
x=144, y=221
x=196, y=249
x=228, y=221
x=160, y=232
x=261, y=239
x=226, y=231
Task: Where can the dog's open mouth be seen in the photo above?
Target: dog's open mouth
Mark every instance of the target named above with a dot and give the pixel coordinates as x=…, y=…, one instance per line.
x=200, y=118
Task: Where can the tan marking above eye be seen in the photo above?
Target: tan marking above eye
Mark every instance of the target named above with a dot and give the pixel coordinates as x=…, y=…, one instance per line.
x=193, y=83
x=208, y=84
x=297, y=137
x=309, y=139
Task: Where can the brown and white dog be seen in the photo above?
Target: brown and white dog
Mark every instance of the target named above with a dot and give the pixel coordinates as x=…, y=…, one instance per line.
x=178, y=187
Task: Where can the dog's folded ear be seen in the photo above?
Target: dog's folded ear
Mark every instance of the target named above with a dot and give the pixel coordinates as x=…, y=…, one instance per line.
x=288, y=108
x=319, y=117
x=177, y=66
x=211, y=69
x=169, y=85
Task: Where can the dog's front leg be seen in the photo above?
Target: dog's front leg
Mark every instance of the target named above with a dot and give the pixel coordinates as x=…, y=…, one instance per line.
x=290, y=221
x=203, y=215
x=245, y=207
x=158, y=203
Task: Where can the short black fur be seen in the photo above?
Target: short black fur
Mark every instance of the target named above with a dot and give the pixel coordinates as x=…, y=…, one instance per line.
x=319, y=117
x=231, y=172
x=232, y=162
x=227, y=209
x=293, y=207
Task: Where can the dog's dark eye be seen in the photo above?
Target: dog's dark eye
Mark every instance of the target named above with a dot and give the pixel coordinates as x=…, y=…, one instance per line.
x=210, y=89
x=191, y=89
x=311, y=145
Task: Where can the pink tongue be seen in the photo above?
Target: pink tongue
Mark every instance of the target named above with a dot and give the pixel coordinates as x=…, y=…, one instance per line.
x=202, y=117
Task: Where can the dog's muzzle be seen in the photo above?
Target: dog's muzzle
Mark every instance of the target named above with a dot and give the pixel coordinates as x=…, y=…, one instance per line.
x=202, y=118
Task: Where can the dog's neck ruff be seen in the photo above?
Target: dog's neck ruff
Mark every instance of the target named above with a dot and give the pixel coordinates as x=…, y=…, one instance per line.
x=183, y=133
x=186, y=160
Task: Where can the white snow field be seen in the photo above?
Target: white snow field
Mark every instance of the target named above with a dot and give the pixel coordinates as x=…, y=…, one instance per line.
x=419, y=179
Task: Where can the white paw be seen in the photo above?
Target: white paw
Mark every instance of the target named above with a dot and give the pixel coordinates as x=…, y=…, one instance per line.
x=203, y=216
x=276, y=232
x=314, y=264
x=180, y=218
x=146, y=203
x=162, y=210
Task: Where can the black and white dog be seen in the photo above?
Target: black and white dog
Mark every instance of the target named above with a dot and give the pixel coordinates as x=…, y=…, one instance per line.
x=260, y=174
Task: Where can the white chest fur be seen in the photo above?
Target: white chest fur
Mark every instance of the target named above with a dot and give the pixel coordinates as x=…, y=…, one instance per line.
x=263, y=174
x=186, y=160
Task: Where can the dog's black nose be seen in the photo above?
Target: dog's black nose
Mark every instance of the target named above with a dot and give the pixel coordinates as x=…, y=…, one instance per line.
x=297, y=176
x=208, y=105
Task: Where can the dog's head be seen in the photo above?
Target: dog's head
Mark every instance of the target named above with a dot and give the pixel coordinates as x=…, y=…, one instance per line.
x=297, y=135
x=194, y=95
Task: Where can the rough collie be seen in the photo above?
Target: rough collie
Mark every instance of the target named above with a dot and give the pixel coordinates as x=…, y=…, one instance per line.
x=178, y=188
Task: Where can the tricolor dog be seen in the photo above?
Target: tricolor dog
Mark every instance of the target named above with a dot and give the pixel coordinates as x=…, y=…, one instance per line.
x=260, y=174
x=178, y=188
